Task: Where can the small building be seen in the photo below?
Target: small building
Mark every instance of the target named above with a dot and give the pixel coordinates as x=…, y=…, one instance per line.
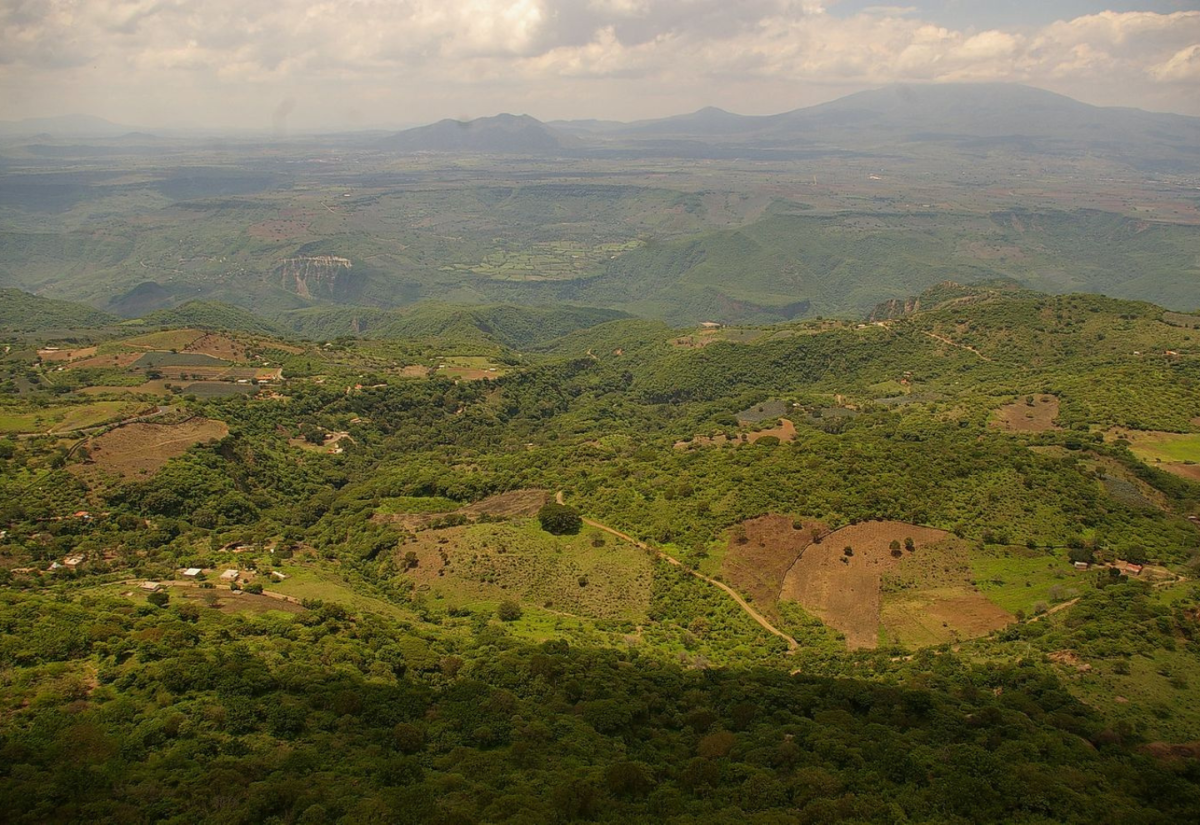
x=277, y=576
x=72, y=561
x=54, y=566
x=150, y=587
x=229, y=575
x=1082, y=565
x=1133, y=569
x=192, y=573
x=710, y=325
x=84, y=515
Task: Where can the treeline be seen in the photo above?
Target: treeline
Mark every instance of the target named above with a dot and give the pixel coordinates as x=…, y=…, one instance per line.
x=184, y=714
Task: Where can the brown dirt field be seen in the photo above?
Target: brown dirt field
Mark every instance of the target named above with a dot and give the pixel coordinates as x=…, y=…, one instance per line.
x=509, y=505
x=143, y=448
x=846, y=595
x=118, y=359
x=55, y=356
x=414, y=371
x=940, y=615
x=218, y=346
x=227, y=602
x=1022, y=417
x=1189, y=471
x=512, y=504
x=148, y=388
x=756, y=567
x=786, y=431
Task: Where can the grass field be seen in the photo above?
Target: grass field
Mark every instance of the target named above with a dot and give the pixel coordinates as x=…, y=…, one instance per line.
x=417, y=504
x=477, y=566
x=65, y=417
x=141, y=449
x=1020, y=579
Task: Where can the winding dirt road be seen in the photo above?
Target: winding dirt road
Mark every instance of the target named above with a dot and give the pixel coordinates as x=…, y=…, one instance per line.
x=750, y=611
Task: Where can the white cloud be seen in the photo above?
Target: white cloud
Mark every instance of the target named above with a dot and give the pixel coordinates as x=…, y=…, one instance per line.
x=233, y=61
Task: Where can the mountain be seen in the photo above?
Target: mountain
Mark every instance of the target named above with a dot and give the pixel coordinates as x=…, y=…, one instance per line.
x=64, y=126
x=967, y=116
x=23, y=312
x=503, y=134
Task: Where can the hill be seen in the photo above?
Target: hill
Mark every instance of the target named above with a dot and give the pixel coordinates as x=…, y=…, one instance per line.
x=23, y=312
x=515, y=327
x=211, y=315
x=502, y=134
x=967, y=117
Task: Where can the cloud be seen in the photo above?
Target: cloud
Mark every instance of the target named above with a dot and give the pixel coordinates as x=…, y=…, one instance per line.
x=233, y=59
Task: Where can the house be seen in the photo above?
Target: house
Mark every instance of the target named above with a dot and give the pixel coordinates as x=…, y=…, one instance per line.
x=1134, y=569
x=1082, y=565
x=84, y=515
x=192, y=573
x=229, y=575
x=54, y=566
x=72, y=561
x=277, y=576
x=150, y=587
x=710, y=325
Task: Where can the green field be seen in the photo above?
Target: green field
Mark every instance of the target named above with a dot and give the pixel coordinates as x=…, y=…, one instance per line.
x=64, y=418
x=1017, y=580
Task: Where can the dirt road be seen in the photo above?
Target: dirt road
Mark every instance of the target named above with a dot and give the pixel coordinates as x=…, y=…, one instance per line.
x=750, y=611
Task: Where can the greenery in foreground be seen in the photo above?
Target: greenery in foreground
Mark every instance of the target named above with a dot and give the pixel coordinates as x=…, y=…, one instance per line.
x=382, y=699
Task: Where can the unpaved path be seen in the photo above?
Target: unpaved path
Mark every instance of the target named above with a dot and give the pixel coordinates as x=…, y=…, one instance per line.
x=946, y=340
x=750, y=611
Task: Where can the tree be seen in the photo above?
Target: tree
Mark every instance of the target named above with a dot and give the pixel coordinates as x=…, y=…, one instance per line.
x=159, y=598
x=508, y=611
x=559, y=519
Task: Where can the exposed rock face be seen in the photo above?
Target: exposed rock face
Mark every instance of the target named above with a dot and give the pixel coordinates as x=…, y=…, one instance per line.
x=320, y=277
x=894, y=308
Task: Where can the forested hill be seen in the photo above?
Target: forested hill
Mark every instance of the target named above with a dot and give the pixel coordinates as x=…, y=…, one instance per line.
x=939, y=567
x=22, y=312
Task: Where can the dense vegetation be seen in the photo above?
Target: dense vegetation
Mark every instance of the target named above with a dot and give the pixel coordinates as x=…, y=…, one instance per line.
x=399, y=644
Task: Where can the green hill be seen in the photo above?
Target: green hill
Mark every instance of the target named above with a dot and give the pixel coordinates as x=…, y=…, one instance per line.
x=210, y=315
x=23, y=312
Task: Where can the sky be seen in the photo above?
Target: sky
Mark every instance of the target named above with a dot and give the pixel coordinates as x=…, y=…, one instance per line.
x=303, y=65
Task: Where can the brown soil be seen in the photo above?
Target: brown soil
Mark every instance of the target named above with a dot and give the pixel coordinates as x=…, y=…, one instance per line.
x=508, y=505
x=1022, y=417
x=761, y=551
x=218, y=346
x=844, y=591
x=119, y=359
x=56, y=356
x=143, y=448
x=513, y=504
x=1188, y=471
x=786, y=431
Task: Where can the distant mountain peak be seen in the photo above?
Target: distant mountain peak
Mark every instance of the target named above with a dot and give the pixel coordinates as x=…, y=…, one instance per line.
x=504, y=133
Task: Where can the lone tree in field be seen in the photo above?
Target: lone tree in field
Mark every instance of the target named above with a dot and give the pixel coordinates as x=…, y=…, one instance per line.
x=508, y=611
x=559, y=519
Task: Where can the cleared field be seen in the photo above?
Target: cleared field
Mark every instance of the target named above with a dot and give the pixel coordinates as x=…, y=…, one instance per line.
x=1177, y=453
x=217, y=389
x=64, y=418
x=218, y=346
x=1020, y=579
x=513, y=504
x=171, y=339
x=844, y=591
x=760, y=553
x=156, y=387
x=52, y=356
x=484, y=563
x=177, y=359
x=143, y=448
x=939, y=615
x=785, y=431
x=1034, y=414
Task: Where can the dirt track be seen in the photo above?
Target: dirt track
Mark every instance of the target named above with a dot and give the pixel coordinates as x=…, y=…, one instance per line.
x=750, y=611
